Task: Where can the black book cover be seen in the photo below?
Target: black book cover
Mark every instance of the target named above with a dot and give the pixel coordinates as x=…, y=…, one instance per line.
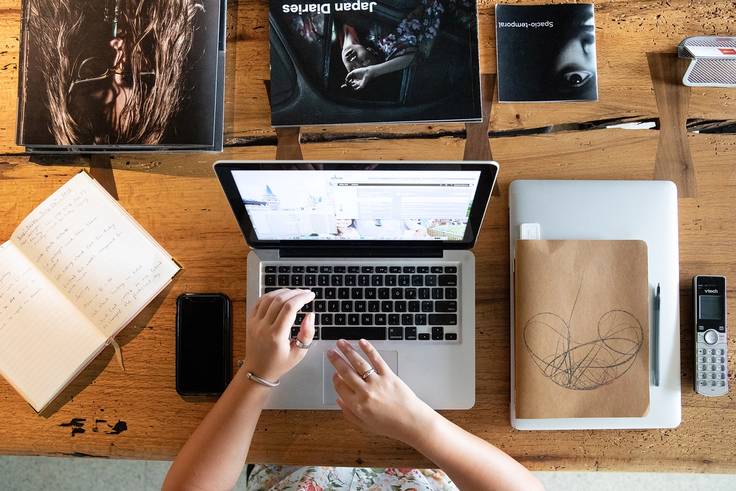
x=120, y=74
x=348, y=62
x=546, y=53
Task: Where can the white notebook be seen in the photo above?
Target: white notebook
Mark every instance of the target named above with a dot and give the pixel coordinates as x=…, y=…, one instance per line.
x=74, y=273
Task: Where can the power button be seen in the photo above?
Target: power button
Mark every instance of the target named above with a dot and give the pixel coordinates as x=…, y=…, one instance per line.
x=711, y=336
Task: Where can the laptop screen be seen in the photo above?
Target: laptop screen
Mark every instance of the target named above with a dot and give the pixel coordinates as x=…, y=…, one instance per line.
x=374, y=208
x=395, y=205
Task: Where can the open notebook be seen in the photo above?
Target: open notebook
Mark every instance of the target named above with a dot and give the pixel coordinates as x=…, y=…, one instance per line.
x=74, y=273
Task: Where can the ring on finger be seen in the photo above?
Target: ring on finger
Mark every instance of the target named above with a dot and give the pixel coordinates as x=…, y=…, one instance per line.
x=367, y=373
x=301, y=345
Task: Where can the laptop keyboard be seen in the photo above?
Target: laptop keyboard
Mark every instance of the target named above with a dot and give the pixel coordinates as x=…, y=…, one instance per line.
x=377, y=302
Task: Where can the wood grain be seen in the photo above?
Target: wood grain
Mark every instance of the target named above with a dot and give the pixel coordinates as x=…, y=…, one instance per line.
x=177, y=198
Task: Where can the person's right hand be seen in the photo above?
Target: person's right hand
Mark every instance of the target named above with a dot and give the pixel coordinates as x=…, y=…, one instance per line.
x=359, y=78
x=381, y=403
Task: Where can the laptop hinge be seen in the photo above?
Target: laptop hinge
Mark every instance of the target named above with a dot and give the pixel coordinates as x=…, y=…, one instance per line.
x=361, y=252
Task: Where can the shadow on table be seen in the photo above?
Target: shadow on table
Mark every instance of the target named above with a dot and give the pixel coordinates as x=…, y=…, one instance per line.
x=90, y=373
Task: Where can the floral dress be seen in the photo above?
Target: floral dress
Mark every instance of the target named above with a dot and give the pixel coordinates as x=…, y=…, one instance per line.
x=286, y=478
x=418, y=30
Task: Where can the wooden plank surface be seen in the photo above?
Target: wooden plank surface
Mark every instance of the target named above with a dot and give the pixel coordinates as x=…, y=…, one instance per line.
x=178, y=200
x=189, y=216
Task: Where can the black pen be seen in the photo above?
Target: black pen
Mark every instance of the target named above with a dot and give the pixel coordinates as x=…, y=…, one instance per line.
x=655, y=337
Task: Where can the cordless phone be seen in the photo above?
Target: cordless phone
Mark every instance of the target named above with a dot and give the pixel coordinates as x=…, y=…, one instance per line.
x=711, y=350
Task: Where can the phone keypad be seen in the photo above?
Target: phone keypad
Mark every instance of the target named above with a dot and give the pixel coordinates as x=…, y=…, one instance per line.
x=712, y=373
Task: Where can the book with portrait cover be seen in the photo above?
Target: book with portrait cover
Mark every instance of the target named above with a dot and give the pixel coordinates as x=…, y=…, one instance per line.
x=546, y=53
x=121, y=75
x=388, y=61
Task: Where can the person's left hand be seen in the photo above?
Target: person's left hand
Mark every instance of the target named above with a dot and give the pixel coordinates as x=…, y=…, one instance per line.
x=359, y=78
x=269, y=351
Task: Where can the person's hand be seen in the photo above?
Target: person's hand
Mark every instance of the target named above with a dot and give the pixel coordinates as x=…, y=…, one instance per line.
x=269, y=351
x=359, y=78
x=381, y=403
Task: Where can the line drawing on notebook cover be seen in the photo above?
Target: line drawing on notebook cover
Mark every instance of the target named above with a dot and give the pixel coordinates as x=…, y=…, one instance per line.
x=584, y=365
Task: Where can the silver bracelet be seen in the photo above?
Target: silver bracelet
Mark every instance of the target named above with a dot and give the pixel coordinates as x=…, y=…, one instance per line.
x=255, y=378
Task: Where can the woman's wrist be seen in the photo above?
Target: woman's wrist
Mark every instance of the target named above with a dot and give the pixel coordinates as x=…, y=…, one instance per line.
x=424, y=421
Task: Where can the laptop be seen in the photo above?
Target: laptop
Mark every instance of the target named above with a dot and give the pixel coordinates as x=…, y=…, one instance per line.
x=385, y=247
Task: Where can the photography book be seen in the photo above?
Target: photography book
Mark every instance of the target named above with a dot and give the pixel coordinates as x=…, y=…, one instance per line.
x=74, y=273
x=121, y=75
x=546, y=53
x=390, y=61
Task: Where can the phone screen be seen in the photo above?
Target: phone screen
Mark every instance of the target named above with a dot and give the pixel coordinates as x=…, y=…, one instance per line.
x=203, y=362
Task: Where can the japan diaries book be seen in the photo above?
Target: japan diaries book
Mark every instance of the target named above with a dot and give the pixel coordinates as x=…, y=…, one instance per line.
x=546, y=53
x=387, y=61
x=121, y=75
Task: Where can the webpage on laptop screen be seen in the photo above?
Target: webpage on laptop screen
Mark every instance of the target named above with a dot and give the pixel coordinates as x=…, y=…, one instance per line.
x=357, y=205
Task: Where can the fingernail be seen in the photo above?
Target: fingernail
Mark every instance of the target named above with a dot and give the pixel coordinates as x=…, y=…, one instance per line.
x=331, y=353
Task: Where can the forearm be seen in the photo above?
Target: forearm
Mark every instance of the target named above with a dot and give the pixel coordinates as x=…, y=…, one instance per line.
x=472, y=463
x=214, y=455
x=393, y=65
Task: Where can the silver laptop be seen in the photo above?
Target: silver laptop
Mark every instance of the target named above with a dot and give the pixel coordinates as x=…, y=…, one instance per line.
x=385, y=246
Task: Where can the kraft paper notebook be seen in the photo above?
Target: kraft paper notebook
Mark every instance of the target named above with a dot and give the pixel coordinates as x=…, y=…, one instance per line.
x=74, y=273
x=581, y=328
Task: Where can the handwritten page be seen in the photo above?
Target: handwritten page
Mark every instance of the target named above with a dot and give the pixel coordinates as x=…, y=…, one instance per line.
x=95, y=253
x=582, y=328
x=44, y=338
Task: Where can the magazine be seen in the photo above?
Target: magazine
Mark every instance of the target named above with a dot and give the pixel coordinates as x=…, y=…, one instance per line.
x=121, y=75
x=374, y=62
x=546, y=53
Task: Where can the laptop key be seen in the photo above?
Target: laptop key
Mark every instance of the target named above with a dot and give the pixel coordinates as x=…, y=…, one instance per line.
x=373, y=333
x=366, y=269
x=336, y=280
x=423, y=269
x=318, y=293
x=364, y=280
x=384, y=293
x=390, y=280
x=320, y=306
x=395, y=333
x=294, y=331
x=438, y=333
x=338, y=269
x=394, y=319
x=370, y=293
x=343, y=293
x=297, y=280
x=408, y=269
x=423, y=293
x=414, y=306
x=423, y=336
x=353, y=319
x=450, y=269
x=283, y=280
x=410, y=332
x=407, y=319
x=312, y=269
x=381, y=269
x=420, y=319
x=410, y=293
x=270, y=289
x=445, y=319
x=346, y=306
x=351, y=280
x=297, y=269
x=323, y=280
x=361, y=306
x=437, y=293
x=427, y=306
x=325, y=319
x=451, y=293
x=436, y=269
x=366, y=319
x=270, y=269
x=377, y=280
x=404, y=280
x=430, y=280
x=330, y=293
x=380, y=319
x=353, y=269
x=269, y=280
x=400, y=306
x=397, y=293
x=451, y=336
x=325, y=269
x=417, y=280
x=310, y=280
x=356, y=293
x=445, y=306
x=394, y=269
x=309, y=307
x=333, y=306
x=387, y=306
x=284, y=269
x=447, y=279
x=340, y=319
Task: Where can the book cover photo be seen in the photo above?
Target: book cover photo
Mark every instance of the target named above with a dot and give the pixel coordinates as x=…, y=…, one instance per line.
x=383, y=61
x=120, y=73
x=546, y=53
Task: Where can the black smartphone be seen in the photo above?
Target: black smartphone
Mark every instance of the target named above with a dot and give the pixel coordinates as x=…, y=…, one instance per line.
x=203, y=352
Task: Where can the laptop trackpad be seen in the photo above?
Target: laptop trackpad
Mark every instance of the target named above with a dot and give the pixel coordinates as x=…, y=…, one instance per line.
x=329, y=396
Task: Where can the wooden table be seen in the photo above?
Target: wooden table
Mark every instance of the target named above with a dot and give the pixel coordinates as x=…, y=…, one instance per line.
x=179, y=201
